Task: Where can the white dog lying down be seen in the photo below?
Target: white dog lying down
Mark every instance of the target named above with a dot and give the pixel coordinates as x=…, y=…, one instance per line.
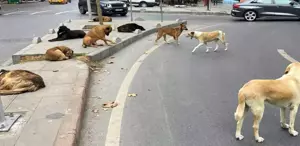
x=282, y=92
x=206, y=37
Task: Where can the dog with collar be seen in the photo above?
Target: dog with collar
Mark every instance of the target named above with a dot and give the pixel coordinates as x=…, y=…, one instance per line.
x=282, y=92
x=206, y=37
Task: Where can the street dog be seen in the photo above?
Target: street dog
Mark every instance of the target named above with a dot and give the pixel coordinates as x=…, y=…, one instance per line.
x=175, y=32
x=130, y=27
x=19, y=81
x=104, y=19
x=95, y=34
x=206, y=37
x=64, y=33
x=282, y=92
x=59, y=53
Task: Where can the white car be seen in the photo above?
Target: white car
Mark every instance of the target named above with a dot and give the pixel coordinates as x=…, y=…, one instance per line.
x=145, y=3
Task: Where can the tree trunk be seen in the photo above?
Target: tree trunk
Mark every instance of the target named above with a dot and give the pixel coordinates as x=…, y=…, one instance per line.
x=99, y=11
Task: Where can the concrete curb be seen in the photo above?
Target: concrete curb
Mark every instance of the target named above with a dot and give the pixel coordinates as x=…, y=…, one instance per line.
x=102, y=54
x=69, y=130
x=190, y=13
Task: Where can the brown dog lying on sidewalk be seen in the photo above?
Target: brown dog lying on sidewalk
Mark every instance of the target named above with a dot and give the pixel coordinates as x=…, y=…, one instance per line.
x=19, y=81
x=104, y=18
x=282, y=92
x=175, y=32
x=95, y=34
x=59, y=53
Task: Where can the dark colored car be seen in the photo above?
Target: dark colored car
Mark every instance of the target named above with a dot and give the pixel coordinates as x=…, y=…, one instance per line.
x=253, y=9
x=109, y=7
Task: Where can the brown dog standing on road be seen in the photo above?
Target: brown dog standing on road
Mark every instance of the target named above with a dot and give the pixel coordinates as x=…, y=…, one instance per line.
x=175, y=32
x=283, y=92
x=59, y=53
x=95, y=34
x=104, y=18
x=19, y=81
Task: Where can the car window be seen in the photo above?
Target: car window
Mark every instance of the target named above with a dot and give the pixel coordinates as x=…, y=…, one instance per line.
x=262, y=1
x=282, y=2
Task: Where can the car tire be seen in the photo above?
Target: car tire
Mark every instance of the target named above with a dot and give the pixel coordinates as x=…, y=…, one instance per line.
x=143, y=4
x=250, y=15
x=82, y=10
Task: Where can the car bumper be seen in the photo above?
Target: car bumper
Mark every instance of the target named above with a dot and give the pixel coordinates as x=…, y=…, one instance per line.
x=115, y=11
x=236, y=13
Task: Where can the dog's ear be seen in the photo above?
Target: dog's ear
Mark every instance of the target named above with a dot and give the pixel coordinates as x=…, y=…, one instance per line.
x=192, y=34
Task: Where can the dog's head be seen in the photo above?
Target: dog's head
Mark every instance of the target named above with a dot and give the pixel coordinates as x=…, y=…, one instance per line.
x=191, y=34
x=3, y=71
x=183, y=26
x=293, y=69
x=69, y=53
x=107, y=19
x=62, y=29
x=141, y=28
x=107, y=30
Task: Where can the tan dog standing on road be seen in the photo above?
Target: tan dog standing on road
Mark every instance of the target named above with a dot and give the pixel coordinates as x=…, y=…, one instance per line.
x=19, y=81
x=97, y=33
x=59, y=53
x=283, y=92
x=175, y=32
x=206, y=37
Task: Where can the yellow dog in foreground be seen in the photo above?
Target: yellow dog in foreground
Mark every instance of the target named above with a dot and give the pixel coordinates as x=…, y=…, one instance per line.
x=283, y=92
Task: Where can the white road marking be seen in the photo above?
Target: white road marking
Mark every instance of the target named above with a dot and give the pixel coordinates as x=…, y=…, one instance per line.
x=14, y=12
x=58, y=13
x=114, y=127
x=40, y=12
x=286, y=56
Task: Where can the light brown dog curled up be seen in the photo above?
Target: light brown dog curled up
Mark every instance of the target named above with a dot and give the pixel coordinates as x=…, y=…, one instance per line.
x=206, y=37
x=282, y=92
x=104, y=18
x=175, y=32
x=19, y=81
x=95, y=34
x=59, y=53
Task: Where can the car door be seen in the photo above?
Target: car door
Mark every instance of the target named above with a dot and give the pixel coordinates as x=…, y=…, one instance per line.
x=265, y=7
x=284, y=8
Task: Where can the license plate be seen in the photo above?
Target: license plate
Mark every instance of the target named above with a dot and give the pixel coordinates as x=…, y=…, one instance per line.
x=119, y=10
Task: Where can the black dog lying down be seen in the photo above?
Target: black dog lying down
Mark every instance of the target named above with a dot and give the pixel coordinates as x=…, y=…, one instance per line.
x=130, y=27
x=64, y=33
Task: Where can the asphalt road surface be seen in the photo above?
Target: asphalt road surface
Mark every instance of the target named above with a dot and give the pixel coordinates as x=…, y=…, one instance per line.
x=187, y=99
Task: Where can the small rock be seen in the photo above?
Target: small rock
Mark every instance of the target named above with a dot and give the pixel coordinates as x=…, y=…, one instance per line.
x=139, y=19
x=36, y=40
x=51, y=31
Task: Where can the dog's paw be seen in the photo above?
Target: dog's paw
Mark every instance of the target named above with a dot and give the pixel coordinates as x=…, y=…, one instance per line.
x=285, y=126
x=293, y=133
x=239, y=137
x=259, y=139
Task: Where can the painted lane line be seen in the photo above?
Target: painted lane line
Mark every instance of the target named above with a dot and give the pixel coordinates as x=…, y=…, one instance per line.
x=38, y=12
x=14, y=12
x=286, y=56
x=58, y=13
x=114, y=126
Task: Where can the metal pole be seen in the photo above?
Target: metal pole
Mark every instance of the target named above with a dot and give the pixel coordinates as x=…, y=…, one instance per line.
x=161, y=13
x=131, y=18
x=89, y=9
x=2, y=116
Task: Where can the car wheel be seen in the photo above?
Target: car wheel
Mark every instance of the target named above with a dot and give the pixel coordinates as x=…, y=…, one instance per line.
x=250, y=15
x=143, y=4
x=82, y=10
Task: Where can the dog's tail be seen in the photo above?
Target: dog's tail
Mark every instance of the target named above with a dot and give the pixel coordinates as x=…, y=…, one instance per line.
x=240, y=110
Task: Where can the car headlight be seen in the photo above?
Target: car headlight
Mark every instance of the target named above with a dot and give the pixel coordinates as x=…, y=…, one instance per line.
x=109, y=6
x=124, y=5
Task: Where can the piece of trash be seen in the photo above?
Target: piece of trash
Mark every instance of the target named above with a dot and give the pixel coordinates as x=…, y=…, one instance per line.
x=95, y=111
x=132, y=95
x=55, y=70
x=111, y=62
x=110, y=105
